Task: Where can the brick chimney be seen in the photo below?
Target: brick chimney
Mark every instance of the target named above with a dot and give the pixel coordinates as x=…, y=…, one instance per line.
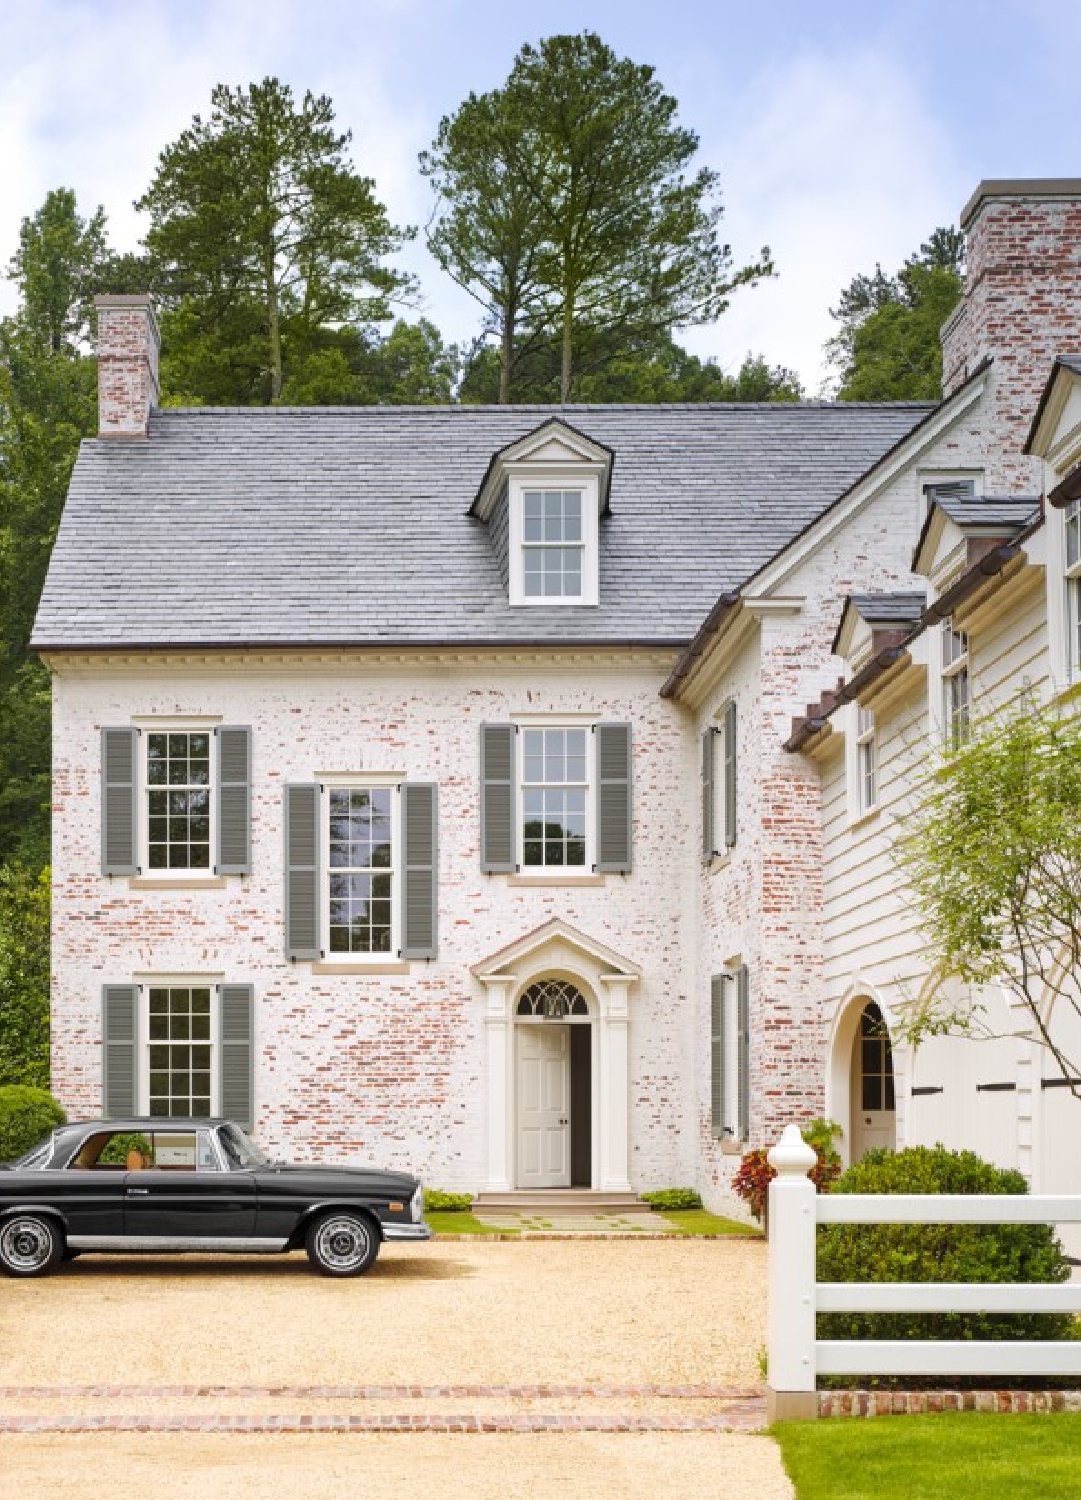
x=128, y=346
x=1021, y=308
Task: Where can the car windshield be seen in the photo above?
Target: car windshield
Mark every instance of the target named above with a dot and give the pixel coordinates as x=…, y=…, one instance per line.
x=240, y=1150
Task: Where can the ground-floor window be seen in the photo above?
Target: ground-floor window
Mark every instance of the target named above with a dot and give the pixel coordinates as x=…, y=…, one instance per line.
x=180, y=1050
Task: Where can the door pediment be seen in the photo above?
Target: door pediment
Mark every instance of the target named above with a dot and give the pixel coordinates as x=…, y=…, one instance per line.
x=558, y=947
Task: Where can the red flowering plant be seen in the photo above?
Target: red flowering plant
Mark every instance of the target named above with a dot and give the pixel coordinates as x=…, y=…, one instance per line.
x=751, y=1182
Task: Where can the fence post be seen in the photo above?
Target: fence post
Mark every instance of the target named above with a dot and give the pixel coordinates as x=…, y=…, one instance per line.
x=792, y=1377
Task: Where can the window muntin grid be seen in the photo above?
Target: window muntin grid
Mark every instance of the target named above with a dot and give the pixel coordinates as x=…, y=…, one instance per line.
x=876, y=1061
x=361, y=869
x=866, y=759
x=552, y=544
x=180, y=1051
x=955, y=685
x=553, y=1000
x=555, y=795
x=1072, y=524
x=178, y=800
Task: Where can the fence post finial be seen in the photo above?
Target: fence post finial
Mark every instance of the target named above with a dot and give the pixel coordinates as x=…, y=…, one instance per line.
x=792, y=1220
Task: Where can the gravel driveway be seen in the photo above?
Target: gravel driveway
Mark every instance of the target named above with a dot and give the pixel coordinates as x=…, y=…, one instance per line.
x=449, y=1331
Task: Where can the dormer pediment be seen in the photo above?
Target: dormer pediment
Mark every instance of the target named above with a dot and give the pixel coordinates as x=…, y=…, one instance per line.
x=960, y=530
x=873, y=623
x=554, y=448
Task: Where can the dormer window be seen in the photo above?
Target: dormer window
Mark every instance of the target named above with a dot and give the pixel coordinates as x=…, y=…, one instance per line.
x=543, y=498
x=553, y=540
x=552, y=544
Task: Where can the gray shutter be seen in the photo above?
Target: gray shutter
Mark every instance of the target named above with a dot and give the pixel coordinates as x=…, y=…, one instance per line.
x=614, y=798
x=119, y=836
x=716, y=1053
x=743, y=1043
x=237, y=1028
x=708, y=741
x=497, y=798
x=730, y=759
x=420, y=866
x=119, y=1036
x=302, y=871
x=234, y=801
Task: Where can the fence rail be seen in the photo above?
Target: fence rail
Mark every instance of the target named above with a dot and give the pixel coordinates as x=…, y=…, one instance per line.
x=797, y=1357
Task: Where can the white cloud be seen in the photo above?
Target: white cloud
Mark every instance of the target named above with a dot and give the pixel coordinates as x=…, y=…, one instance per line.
x=839, y=164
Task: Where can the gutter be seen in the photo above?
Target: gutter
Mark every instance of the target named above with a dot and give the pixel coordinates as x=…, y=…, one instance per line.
x=706, y=631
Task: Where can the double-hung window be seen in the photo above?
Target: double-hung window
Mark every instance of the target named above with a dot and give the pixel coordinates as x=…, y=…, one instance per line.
x=178, y=791
x=181, y=1051
x=955, y=686
x=1072, y=524
x=555, y=798
x=361, y=849
x=552, y=544
x=553, y=540
x=866, y=759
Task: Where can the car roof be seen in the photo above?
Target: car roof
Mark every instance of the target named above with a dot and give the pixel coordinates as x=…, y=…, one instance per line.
x=140, y=1125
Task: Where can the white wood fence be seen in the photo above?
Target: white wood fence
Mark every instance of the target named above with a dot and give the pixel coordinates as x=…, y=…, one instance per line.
x=797, y=1357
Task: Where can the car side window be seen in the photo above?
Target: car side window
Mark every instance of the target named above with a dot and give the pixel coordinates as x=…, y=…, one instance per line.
x=184, y=1151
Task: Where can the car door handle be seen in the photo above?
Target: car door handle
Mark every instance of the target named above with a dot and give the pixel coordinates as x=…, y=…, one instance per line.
x=138, y=1192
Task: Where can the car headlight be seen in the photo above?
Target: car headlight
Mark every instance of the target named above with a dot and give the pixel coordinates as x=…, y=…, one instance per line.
x=416, y=1204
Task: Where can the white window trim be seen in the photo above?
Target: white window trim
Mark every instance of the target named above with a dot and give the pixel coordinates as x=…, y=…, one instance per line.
x=1070, y=598
x=722, y=850
x=556, y=874
x=866, y=737
x=859, y=811
x=351, y=781
x=186, y=875
x=946, y=673
x=566, y=478
x=178, y=982
x=731, y=1139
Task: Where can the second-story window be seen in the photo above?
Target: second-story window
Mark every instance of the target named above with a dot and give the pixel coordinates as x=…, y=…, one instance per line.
x=555, y=795
x=1072, y=522
x=178, y=789
x=955, y=686
x=866, y=758
x=360, y=876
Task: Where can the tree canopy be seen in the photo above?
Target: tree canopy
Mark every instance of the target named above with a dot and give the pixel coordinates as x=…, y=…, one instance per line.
x=262, y=238
x=566, y=204
x=991, y=849
x=888, y=347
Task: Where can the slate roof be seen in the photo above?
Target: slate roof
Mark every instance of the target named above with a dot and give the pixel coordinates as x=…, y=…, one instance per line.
x=987, y=510
x=323, y=526
x=889, y=609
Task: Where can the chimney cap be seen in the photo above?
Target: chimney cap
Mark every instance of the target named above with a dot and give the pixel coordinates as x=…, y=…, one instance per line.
x=992, y=188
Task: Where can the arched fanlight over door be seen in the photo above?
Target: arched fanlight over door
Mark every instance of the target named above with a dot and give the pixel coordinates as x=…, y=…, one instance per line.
x=553, y=1000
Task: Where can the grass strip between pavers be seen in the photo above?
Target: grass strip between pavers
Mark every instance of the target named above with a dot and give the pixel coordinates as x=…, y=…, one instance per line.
x=951, y=1456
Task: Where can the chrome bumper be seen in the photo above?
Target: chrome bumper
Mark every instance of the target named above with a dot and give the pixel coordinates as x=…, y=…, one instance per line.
x=419, y=1231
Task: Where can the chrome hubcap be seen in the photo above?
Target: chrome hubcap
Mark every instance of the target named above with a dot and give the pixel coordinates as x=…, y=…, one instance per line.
x=342, y=1243
x=26, y=1244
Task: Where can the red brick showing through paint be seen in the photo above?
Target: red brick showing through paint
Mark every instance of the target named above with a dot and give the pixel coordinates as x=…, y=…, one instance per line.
x=928, y=1403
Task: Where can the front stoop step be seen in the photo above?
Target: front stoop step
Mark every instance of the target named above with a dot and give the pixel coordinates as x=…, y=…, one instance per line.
x=580, y=1201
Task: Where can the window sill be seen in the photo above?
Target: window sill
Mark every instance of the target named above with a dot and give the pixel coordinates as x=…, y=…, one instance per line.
x=559, y=881
x=719, y=860
x=177, y=882
x=324, y=966
x=857, y=820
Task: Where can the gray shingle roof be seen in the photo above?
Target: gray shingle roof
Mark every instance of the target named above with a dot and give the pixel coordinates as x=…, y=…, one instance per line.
x=337, y=526
x=889, y=609
x=988, y=510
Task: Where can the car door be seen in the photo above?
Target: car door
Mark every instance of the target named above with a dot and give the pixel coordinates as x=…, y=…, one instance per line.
x=182, y=1193
x=89, y=1194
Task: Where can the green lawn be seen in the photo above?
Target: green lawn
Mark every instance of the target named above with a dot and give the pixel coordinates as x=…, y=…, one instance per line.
x=699, y=1221
x=957, y=1456
x=459, y=1223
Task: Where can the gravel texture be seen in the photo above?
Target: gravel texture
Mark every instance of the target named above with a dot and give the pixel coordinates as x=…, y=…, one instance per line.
x=662, y=1312
x=648, y=1466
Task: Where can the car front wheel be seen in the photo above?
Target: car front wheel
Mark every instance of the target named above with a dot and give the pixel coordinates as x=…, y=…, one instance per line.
x=342, y=1244
x=30, y=1245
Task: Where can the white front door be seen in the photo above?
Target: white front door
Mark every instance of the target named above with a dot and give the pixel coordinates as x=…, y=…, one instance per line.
x=544, y=1158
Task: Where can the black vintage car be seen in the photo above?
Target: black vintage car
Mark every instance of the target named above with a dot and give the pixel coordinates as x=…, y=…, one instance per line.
x=159, y=1186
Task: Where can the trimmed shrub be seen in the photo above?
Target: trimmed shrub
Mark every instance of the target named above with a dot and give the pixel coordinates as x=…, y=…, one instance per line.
x=938, y=1252
x=672, y=1200
x=439, y=1202
x=27, y=1116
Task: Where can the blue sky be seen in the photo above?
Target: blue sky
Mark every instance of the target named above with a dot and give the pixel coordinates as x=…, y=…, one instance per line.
x=843, y=133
